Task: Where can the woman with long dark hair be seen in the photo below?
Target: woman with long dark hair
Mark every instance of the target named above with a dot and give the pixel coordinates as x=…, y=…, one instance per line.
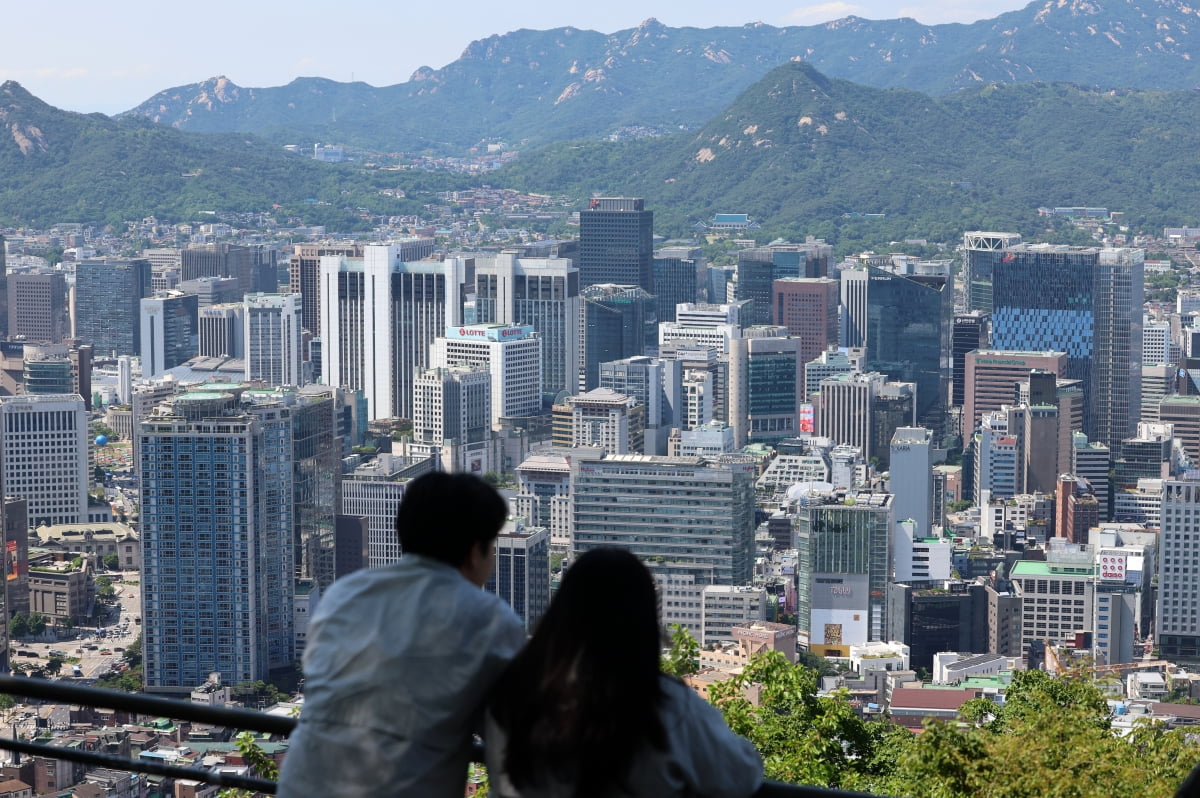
x=584, y=710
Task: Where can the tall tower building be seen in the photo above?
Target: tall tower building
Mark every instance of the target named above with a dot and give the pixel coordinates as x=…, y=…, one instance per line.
x=511, y=355
x=759, y=267
x=971, y=331
x=452, y=417
x=616, y=243
x=217, y=541
x=618, y=322
x=522, y=573
x=808, y=307
x=44, y=456
x=1177, y=628
x=272, y=339
x=657, y=384
x=316, y=481
x=675, y=513
x=992, y=377
x=169, y=331
x=676, y=272
x=911, y=481
x=37, y=307
x=542, y=293
x=108, y=296
x=379, y=316
x=844, y=546
x=1086, y=302
x=766, y=386
x=304, y=276
x=982, y=252
x=222, y=331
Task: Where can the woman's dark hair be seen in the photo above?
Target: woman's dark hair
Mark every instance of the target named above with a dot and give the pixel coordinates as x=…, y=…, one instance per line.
x=443, y=515
x=583, y=696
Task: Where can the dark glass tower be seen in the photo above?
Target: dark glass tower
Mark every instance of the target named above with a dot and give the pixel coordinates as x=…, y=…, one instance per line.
x=108, y=313
x=1086, y=302
x=981, y=252
x=618, y=323
x=674, y=280
x=616, y=243
x=759, y=267
x=970, y=333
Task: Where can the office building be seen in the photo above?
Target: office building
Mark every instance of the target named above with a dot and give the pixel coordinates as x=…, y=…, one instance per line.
x=212, y=291
x=992, y=377
x=1183, y=414
x=304, y=275
x=373, y=490
x=253, y=267
x=842, y=569
x=379, y=316
x=316, y=480
x=683, y=515
x=1086, y=302
x=618, y=322
x=1157, y=347
x=971, y=331
x=217, y=541
x=452, y=417
x=808, y=307
x=616, y=244
x=830, y=363
x=676, y=271
x=600, y=418
x=542, y=293
x=47, y=370
x=108, y=296
x=37, y=307
x=521, y=575
x=1158, y=382
x=933, y=620
x=709, y=441
x=169, y=330
x=657, y=384
x=911, y=477
x=544, y=491
x=1177, y=627
x=759, y=267
x=272, y=339
x=1057, y=596
x=512, y=355
x=864, y=411
x=981, y=253
x=44, y=456
x=705, y=378
x=766, y=381
x=222, y=331
x=1092, y=461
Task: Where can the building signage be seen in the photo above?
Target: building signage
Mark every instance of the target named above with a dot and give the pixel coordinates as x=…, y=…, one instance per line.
x=1112, y=567
x=489, y=332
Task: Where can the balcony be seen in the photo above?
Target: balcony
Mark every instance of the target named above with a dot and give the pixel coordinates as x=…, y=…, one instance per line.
x=231, y=718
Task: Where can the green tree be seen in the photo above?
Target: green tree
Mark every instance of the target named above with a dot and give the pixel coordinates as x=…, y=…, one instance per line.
x=683, y=658
x=111, y=562
x=18, y=625
x=37, y=623
x=54, y=666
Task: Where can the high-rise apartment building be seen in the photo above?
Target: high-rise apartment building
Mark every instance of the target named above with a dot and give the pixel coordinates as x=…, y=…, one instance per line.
x=37, y=307
x=616, y=243
x=808, y=307
x=542, y=293
x=379, y=316
x=272, y=339
x=1084, y=301
x=679, y=514
x=44, y=456
x=982, y=252
x=108, y=296
x=217, y=541
x=170, y=331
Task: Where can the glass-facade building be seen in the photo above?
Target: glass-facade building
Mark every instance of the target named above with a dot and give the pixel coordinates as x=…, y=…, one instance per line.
x=675, y=274
x=108, y=295
x=616, y=243
x=759, y=267
x=982, y=252
x=522, y=573
x=1087, y=302
x=619, y=322
x=678, y=513
x=216, y=534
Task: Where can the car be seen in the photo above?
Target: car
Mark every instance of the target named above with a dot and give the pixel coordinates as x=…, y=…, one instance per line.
x=118, y=649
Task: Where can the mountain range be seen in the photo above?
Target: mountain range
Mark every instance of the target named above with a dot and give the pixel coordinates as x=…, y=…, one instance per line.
x=529, y=88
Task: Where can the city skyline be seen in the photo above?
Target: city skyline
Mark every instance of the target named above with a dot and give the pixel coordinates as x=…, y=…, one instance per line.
x=107, y=59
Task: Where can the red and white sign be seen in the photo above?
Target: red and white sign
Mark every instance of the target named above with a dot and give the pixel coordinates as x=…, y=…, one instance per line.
x=1112, y=566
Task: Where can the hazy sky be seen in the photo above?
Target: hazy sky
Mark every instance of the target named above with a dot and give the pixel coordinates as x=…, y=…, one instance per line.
x=88, y=56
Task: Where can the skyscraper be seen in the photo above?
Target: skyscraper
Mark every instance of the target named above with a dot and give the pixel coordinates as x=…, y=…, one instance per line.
x=759, y=267
x=272, y=339
x=971, y=331
x=1086, y=302
x=108, y=296
x=522, y=573
x=911, y=480
x=1177, y=627
x=766, y=386
x=544, y=294
x=452, y=417
x=217, y=541
x=304, y=276
x=616, y=243
x=982, y=252
x=379, y=315
x=618, y=322
x=37, y=307
x=676, y=271
x=44, y=456
x=511, y=355
x=170, y=334
x=808, y=307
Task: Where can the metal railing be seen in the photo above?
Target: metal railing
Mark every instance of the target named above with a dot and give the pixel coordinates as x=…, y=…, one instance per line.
x=227, y=717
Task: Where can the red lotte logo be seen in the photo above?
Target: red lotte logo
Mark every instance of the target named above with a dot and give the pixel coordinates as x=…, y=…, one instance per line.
x=469, y=333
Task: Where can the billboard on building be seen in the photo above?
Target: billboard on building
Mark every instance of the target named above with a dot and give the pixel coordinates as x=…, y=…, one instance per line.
x=1112, y=567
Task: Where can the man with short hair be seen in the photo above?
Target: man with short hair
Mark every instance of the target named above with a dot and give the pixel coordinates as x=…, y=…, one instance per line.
x=400, y=658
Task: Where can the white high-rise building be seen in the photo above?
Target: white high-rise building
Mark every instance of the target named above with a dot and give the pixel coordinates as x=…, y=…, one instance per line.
x=452, y=416
x=169, y=334
x=997, y=457
x=542, y=293
x=511, y=354
x=1157, y=346
x=911, y=477
x=379, y=315
x=222, y=331
x=373, y=490
x=1177, y=625
x=272, y=338
x=44, y=456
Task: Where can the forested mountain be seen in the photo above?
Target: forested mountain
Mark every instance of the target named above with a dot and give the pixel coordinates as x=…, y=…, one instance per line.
x=529, y=88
